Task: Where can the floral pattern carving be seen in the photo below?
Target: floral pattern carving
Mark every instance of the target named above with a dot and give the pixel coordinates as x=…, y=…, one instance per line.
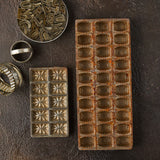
x=49, y=102
x=59, y=88
x=58, y=75
x=59, y=102
x=40, y=89
x=41, y=129
x=60, y=129
x=40, y=102
x=40, y=75
x=40, y=115
x=59, y=115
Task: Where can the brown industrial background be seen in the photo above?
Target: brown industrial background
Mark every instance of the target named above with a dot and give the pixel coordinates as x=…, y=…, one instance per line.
x=15, y=140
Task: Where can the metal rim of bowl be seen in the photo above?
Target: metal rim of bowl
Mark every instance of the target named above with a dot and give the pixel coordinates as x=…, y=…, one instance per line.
x=43, y=42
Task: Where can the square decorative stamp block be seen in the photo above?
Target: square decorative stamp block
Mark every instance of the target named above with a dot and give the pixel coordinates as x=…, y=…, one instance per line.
x=49, y=102
x=104, y=86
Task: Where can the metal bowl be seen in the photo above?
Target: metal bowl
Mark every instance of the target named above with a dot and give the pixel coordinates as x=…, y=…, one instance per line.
x=42, y=21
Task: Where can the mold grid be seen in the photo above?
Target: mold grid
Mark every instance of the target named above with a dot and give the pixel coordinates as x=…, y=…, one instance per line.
x=49, y=102
x=104, y=89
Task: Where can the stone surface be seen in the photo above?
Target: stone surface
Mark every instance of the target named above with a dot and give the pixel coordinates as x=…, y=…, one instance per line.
x=15, y=140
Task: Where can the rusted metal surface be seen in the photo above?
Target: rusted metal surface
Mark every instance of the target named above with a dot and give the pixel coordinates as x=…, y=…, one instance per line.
x=104, y=87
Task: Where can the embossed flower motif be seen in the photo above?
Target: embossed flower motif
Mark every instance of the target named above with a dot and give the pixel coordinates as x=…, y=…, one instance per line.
x=40, y=88
x=40, y=75
x=40, y=102
x=59, y=88
x=59, y=101
x=59, y=115
x=59, y=75
x=60, y=129
x=41, y=129
x=41, y=116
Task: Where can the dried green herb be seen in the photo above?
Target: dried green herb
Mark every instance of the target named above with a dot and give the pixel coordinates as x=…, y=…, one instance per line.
x=42, y=20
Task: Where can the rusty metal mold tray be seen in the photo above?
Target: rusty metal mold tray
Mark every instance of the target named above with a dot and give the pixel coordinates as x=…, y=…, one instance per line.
x=104, y=86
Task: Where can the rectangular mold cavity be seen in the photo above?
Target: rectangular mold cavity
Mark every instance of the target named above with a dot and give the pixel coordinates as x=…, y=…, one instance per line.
x=122, y=64
x=87, y=143
x=37, y=129
x=104, y=103
x=103, y=90
x=84, y=39
x=105, y=142
x=121, y=26
x=123, y=115
x=122, y=90
x=86, y=91
x=123, y=103
x=104, y=116
x=86, y=103
x=49, y=102
x=103, y=52
x=59, y=88
x=87, y=129
x=44, y=102
x=124, y=142
x=121, y=51
x=104, y=77
x=85, y=52
x=85, y=65
x=85, y=77
x=57, y=74
x=103, y=39
x=121, y=39
x=40, y=89
x=123, y=128
x=59, y=115
x=43, y=118
x=102, y=26
x=86, y=116
x=105, y=128
x=103, y=64
x=59, y=129
x=84, y=27
x=42, y=78
x=122, y=77
x=104, y=84
x=58, y=102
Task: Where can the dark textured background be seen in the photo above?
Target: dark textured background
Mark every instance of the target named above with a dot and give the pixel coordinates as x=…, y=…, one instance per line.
x=15, y=140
